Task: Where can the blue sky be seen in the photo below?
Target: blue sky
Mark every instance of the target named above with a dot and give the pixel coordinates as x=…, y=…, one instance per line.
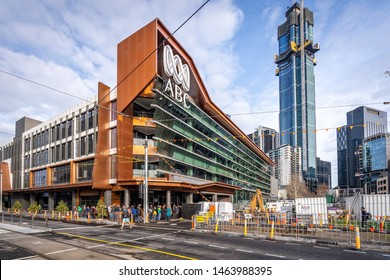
x=71, y=46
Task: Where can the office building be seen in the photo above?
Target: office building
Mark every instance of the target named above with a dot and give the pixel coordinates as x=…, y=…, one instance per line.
x=296, y=61
x=265, y=138
x=362, y=122
x=376, y=154
x=158, y=130
x=324, y=173
x=287, y=168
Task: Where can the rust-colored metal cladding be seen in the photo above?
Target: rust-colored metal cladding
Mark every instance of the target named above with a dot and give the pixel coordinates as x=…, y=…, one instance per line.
x=6, y=180
x=102, y=163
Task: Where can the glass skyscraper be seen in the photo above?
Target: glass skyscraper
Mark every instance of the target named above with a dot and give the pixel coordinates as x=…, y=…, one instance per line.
x=297, y=118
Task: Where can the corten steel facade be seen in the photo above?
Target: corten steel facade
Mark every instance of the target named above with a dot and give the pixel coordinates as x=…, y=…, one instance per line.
x=97, y=150
x=297, y=117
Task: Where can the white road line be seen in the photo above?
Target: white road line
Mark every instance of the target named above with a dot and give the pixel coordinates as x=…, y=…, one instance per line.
x=268, y=240
x=319, y=247
x=296, y=244
x=80, y=227
x=27, y=258
x=245, y=251
x=353, y=251
x=169, y=239
x=216, y=246
x=191, y=242
x=386, y=255
x=62, y=251
x=101, y=245
x=276, y=256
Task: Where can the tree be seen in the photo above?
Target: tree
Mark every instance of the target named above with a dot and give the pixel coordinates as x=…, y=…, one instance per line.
x=297, y=188
x=17, y=206
x=34, y=207
x=322, y=190
x=101, y=209
x=62, y=207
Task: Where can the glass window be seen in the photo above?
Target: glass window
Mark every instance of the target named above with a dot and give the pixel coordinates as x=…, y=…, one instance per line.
x=69, y=150
x=57, y=132
x=113, y=138
x=113, y=111
x=90, y=143
x=69, y=124
x=39, y=178
x=84, y=170
x=61, y=174
x=90, y=115
x=82, y=122
x=82, y=148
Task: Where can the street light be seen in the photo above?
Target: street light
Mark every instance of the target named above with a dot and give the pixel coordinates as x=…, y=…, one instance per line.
x=145, y=143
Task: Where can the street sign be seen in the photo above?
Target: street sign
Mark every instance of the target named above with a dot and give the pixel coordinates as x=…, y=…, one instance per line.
x=200, y=219
x=248, y=216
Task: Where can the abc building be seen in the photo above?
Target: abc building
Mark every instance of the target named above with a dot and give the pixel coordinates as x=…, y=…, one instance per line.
x=159, y=113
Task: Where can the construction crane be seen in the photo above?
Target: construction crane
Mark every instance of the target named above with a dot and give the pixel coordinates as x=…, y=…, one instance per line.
x=257, y=199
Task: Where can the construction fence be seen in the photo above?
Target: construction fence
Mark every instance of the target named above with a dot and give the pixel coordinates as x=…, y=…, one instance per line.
x=333, y=225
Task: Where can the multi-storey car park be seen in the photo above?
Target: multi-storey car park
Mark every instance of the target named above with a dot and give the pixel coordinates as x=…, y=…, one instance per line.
x=159, y=113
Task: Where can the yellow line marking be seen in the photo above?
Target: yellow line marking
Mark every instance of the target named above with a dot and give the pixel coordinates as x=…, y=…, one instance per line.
x=119, y=243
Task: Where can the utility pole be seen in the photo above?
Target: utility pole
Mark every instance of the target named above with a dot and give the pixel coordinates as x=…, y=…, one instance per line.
x=146, y=191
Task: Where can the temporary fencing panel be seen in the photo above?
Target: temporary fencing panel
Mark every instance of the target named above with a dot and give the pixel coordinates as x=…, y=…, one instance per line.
x=312, y=210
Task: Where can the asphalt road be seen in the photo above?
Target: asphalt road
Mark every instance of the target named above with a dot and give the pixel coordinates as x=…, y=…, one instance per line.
x=163, y=241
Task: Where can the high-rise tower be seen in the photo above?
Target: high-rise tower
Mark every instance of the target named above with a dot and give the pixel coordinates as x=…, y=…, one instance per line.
x=297, y=117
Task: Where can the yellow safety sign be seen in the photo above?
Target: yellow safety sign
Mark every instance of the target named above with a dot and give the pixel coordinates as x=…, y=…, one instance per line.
x=200, y=219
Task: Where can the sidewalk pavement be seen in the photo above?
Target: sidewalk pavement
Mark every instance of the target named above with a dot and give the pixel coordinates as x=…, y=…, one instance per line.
x=21, y=229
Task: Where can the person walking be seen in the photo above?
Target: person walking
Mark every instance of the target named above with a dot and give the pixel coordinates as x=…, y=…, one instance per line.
x=125, y=217
x=365, y=216
x=169, y=213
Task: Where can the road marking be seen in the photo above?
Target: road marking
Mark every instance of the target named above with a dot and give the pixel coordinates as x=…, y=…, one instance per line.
x=191, y=242
x=62, y=251
x=276, y=256
x=268, y=240
x=216, y=246
x=386, y=255
x=173, y=224
x=319, y=247
x=295, y=244
x=353, y=251
x=27, y=258
x=101, y=245
x=37, y=242
x=80, y=227
x=128, y=245
x=169, y=239
x=245, y=251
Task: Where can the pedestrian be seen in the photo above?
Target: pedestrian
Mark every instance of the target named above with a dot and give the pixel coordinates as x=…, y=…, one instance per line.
x=174, y=211
x=158, y=212
x=150, y=212
x=154, y=213
x=125, y=217
x=365, y=216
x=109, y=212
x=169, y=213
x=133, y=212
x=164, y=212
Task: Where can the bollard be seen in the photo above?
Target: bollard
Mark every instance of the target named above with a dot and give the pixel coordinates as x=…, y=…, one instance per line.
x=320, y=220
x=44, y=215
x=32, y=221
x=271, y=233
x=216, y=228
x=21, y=220
x=192, y=223
x=89, y=218
x=245, y=228
x=59, y=215
x=357, y=247
x=67, y=215
x=52, y=215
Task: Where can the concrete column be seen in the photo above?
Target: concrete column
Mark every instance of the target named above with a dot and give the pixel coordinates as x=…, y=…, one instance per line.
x=32, y=197
x=190, y=198
x=51, y=201
x=74, y=202
x=108, y=198
x=127, y=198
x=168, y=199
x=215, y=198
